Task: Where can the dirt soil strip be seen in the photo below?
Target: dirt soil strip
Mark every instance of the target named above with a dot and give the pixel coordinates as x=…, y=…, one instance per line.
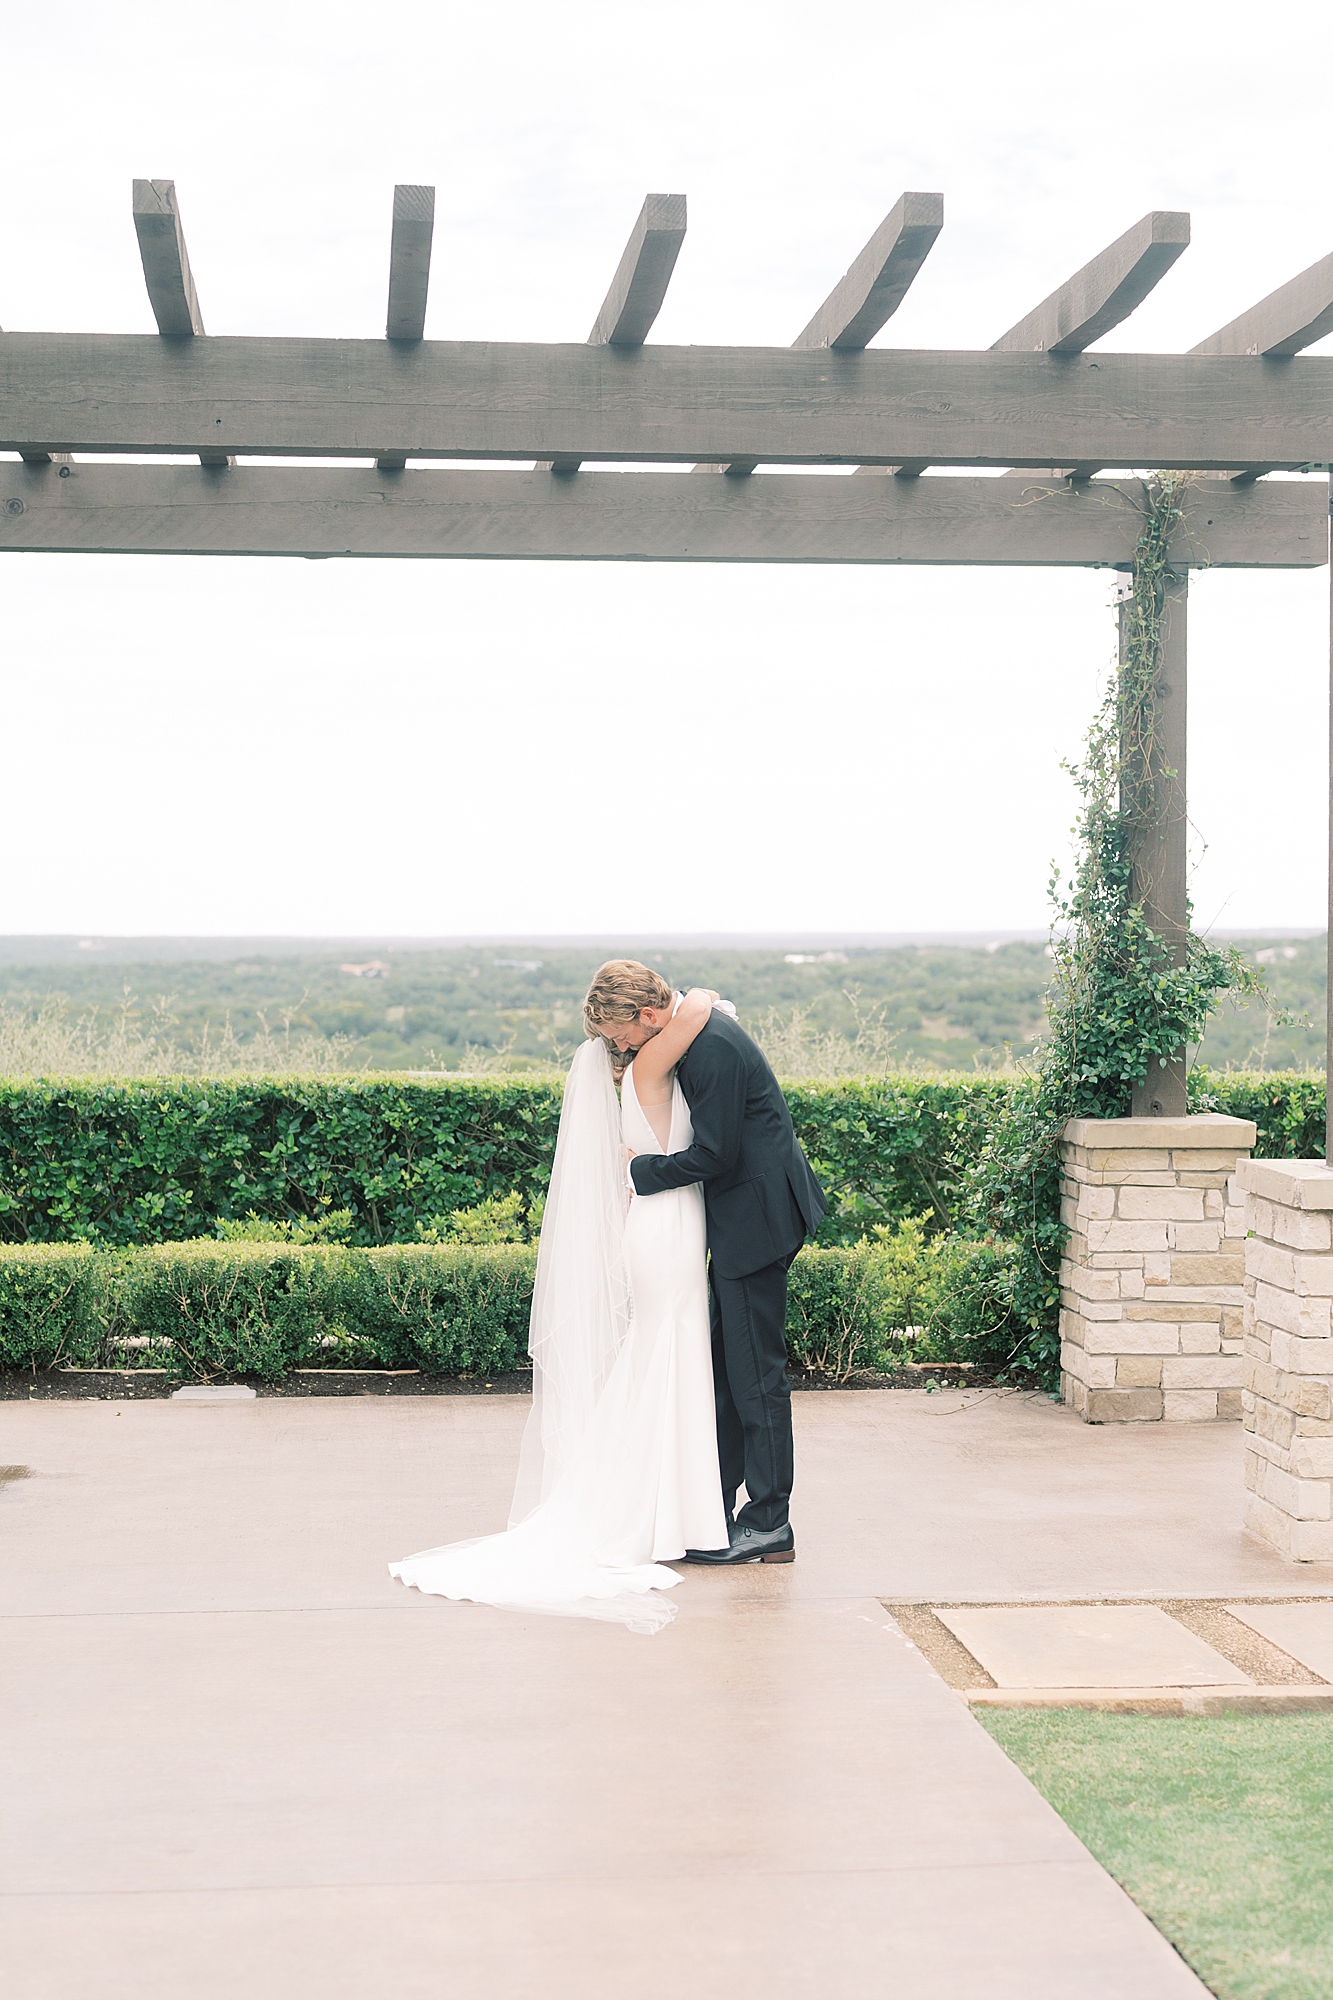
x=121, y=1385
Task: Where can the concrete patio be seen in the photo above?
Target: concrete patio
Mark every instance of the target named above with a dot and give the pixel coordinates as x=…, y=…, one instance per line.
x=241, y=1759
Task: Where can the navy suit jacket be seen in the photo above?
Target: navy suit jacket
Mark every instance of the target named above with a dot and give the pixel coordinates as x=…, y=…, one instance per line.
x=759, y=1193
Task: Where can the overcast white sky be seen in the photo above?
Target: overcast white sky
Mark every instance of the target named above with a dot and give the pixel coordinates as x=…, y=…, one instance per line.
x=286, y=747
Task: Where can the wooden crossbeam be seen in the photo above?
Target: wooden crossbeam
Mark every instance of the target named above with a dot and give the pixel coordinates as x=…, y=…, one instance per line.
x=167, y=273
x=872, y=289
x=409, y=277
x=641, y=517
x=1104, y=292
x=1293, y=317
x=637, y=290
x=491, y=399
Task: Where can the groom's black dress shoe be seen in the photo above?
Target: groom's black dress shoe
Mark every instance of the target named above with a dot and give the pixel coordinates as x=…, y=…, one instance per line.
x=750, y=1545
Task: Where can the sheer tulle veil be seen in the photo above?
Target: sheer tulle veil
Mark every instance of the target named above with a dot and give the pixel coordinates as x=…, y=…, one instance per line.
x=581, y=1303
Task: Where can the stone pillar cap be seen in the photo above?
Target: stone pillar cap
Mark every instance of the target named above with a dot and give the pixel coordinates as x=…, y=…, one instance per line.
x=1297, y=1183
x=1211, y=1131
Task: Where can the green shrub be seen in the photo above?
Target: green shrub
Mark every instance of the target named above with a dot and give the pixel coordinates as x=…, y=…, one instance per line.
x=970, y=1311
x=836, y=1318
x=499, y=1220
x=888, y=1148
x=333, y=1227
x=120, y=1163
x=233, y=1308
x=1287, y=1106
x=448, y=1310
x=52, y=1301
x=208, y=1309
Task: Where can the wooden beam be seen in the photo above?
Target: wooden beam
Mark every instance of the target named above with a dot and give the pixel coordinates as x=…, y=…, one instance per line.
x=643, y=274
x=871, y=291
x=1159, y=856
x=409, y=261
x=637, y=290
x=409, y=278
x=1289, y=319
x=658, y=405
x=167, y=274
x=875, y=285
x=641, y=517
x=166, y=261
x=1104, y=292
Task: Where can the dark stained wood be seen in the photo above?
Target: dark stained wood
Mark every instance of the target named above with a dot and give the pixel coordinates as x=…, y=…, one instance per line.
x=477, y=399
x=1293, y=317
x=1104, y=292
x=876, y=284
x=409, y=261
x=639, y=516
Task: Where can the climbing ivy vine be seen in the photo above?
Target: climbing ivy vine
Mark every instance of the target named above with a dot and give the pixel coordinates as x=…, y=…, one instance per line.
x=1120, y=995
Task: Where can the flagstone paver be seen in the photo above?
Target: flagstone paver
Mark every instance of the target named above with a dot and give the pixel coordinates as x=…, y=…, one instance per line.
x=1303, y=1630
x=1088, y=1646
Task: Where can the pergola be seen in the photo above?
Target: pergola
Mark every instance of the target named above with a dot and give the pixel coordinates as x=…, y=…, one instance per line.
x=1243, y=402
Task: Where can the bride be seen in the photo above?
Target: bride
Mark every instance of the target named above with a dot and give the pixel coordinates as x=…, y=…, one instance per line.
x=618, y=1469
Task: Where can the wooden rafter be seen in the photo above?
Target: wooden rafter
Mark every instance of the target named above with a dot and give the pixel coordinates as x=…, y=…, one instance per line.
x=1293, y=317
x=640, y=517
x=409, y=277
x=1105, y=292
x=657, y=405
x=876, y=283
x=1088, y=305
x=167, y=273
x=638, y=289
x=1101, y=295
x=866, y=297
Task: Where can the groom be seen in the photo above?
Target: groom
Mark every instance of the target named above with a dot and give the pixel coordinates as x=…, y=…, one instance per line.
x=761, y=1201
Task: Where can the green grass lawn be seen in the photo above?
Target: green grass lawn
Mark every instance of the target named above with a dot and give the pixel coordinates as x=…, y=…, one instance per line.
x=1221, y=1830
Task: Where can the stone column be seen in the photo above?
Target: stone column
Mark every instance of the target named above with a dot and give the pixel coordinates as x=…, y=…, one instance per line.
x=1288, y=1393
x=1152, y=1278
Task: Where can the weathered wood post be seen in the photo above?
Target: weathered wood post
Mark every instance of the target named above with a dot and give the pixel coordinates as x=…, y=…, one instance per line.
x=1155, y=792
x=1152, y=1275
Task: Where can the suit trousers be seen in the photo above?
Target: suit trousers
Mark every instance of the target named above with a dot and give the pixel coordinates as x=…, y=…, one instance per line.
x=749, y=1319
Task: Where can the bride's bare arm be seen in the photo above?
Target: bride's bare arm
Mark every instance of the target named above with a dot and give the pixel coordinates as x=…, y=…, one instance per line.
x=656, y=1059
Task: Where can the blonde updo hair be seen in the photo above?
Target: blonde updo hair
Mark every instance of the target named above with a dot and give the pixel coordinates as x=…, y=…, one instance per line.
x=620, y=990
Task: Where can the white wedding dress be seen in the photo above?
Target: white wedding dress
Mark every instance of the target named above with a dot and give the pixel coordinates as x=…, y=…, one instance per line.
x=618, y=1472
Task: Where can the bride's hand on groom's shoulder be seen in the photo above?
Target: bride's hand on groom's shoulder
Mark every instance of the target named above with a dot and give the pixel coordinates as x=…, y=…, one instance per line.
x=703, y=993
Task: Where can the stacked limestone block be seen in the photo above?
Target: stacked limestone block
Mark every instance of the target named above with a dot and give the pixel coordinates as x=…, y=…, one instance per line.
x=1288, y=1394
x=1152, y=1283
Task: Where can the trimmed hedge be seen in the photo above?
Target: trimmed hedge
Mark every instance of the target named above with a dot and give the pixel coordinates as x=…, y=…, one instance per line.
x=122, y=1163
x=204, y=1310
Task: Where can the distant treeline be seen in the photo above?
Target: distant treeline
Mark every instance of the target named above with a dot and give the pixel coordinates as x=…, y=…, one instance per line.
x=497, y=1007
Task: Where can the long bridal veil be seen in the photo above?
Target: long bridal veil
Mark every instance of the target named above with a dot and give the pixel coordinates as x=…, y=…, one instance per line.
x=563, y=1552
x=581, y=1303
